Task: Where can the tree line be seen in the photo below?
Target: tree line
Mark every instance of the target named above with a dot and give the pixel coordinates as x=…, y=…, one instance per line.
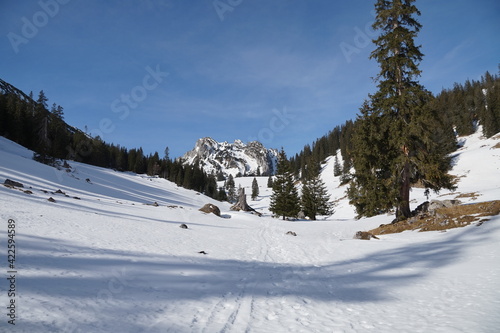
x=403, y=135
x=461, y=108
x=33, y=124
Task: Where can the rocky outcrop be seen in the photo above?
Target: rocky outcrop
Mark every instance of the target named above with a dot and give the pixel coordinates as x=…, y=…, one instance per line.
x=232, y=158
x=12, y=183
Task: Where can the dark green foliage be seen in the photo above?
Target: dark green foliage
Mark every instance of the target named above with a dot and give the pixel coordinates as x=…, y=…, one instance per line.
x=315, y=199
x=369, y=190
x=338, y=138
x=345, y=176
x=284, y=199
x=255, y=189
x=337, y=169
x=231, y=189
x=393, y=144
x=270, y=182
x=211, y=187
x=31, y=124
x=222, y=196
x=490, y=105
x=467, y=104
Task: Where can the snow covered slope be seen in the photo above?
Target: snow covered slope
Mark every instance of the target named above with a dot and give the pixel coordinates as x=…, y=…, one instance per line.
x=232, y=158
x=102, y=258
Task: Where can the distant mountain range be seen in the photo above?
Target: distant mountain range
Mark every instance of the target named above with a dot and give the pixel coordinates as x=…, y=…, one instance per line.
x=235, y=158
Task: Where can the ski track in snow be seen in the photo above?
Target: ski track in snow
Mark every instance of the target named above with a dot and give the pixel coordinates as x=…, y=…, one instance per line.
x=112, y=262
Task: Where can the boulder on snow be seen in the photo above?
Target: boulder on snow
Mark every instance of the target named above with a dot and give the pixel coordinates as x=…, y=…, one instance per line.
x=291, y=233
x=183, y=226
x=436, y=204
x=12, y=183
x=364, y=235
x=210, y=208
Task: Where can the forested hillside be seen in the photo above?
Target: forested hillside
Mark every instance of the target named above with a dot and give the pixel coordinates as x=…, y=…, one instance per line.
x=460, y=108
x=34, y=125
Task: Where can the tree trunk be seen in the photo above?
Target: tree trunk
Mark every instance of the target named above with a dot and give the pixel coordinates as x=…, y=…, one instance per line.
x=403, y=209
x=242, y=203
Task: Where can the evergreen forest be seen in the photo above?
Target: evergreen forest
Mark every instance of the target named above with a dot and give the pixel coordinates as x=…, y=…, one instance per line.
x=33, y=124
x=460, y=108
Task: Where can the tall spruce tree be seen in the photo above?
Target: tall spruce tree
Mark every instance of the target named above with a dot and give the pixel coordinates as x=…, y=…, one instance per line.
x=315, y=199
x=284, y=199
x=270, y=181
x=337, y=169
x=393, y=144
x=231, y=190
x=255, y=188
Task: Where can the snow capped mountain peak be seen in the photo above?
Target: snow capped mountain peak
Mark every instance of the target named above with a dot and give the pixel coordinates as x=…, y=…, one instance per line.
x=232, y=158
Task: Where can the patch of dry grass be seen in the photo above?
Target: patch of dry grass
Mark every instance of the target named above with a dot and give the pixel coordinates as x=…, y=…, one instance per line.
x=497, y=145
x=444, y=218
x=472, y=195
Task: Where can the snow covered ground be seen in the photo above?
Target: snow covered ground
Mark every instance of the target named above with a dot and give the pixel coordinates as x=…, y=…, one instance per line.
x=102, y=258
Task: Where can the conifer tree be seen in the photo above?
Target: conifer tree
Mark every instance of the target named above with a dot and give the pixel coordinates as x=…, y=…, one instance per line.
x=491, y=114
x=337, y=169
x=222, y=196
x=231, y=190
x=42, y=117
x=211, y=187
x=270, y=182
x=284, y=199
x=315, y=199
x=393, y=145
x=255, y=189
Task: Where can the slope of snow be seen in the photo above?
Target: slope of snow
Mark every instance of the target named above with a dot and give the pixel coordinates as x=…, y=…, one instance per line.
x=112, y=262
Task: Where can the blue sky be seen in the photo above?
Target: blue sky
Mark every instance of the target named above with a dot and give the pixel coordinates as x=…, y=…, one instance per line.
x=160, y=73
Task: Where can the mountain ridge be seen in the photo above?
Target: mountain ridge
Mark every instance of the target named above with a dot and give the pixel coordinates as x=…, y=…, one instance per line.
x=237, y=158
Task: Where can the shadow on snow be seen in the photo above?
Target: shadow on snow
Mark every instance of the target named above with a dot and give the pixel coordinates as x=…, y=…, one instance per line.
x=116, y=282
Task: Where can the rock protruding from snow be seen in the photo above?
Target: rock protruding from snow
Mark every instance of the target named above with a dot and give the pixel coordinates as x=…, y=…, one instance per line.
x=364, y=235
x=13, y=183
x=232, y=158
x=210, y=208
x=436, y=204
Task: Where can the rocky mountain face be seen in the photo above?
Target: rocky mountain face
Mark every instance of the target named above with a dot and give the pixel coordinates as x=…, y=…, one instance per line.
x=235, y=158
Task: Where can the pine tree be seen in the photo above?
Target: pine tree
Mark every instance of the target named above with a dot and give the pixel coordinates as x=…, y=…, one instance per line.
x=491, y=114
x=222, y=196
x=42, y=117
x=284, y=199
x=255, y=189
x=345, y=175
x=231, y=191
x=211, y=187
x=337, y=169
x=270, y=182
x=396, y=125
x=315, y=199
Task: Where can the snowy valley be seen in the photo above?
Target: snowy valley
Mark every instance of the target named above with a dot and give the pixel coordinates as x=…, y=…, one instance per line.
x=107, y=254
